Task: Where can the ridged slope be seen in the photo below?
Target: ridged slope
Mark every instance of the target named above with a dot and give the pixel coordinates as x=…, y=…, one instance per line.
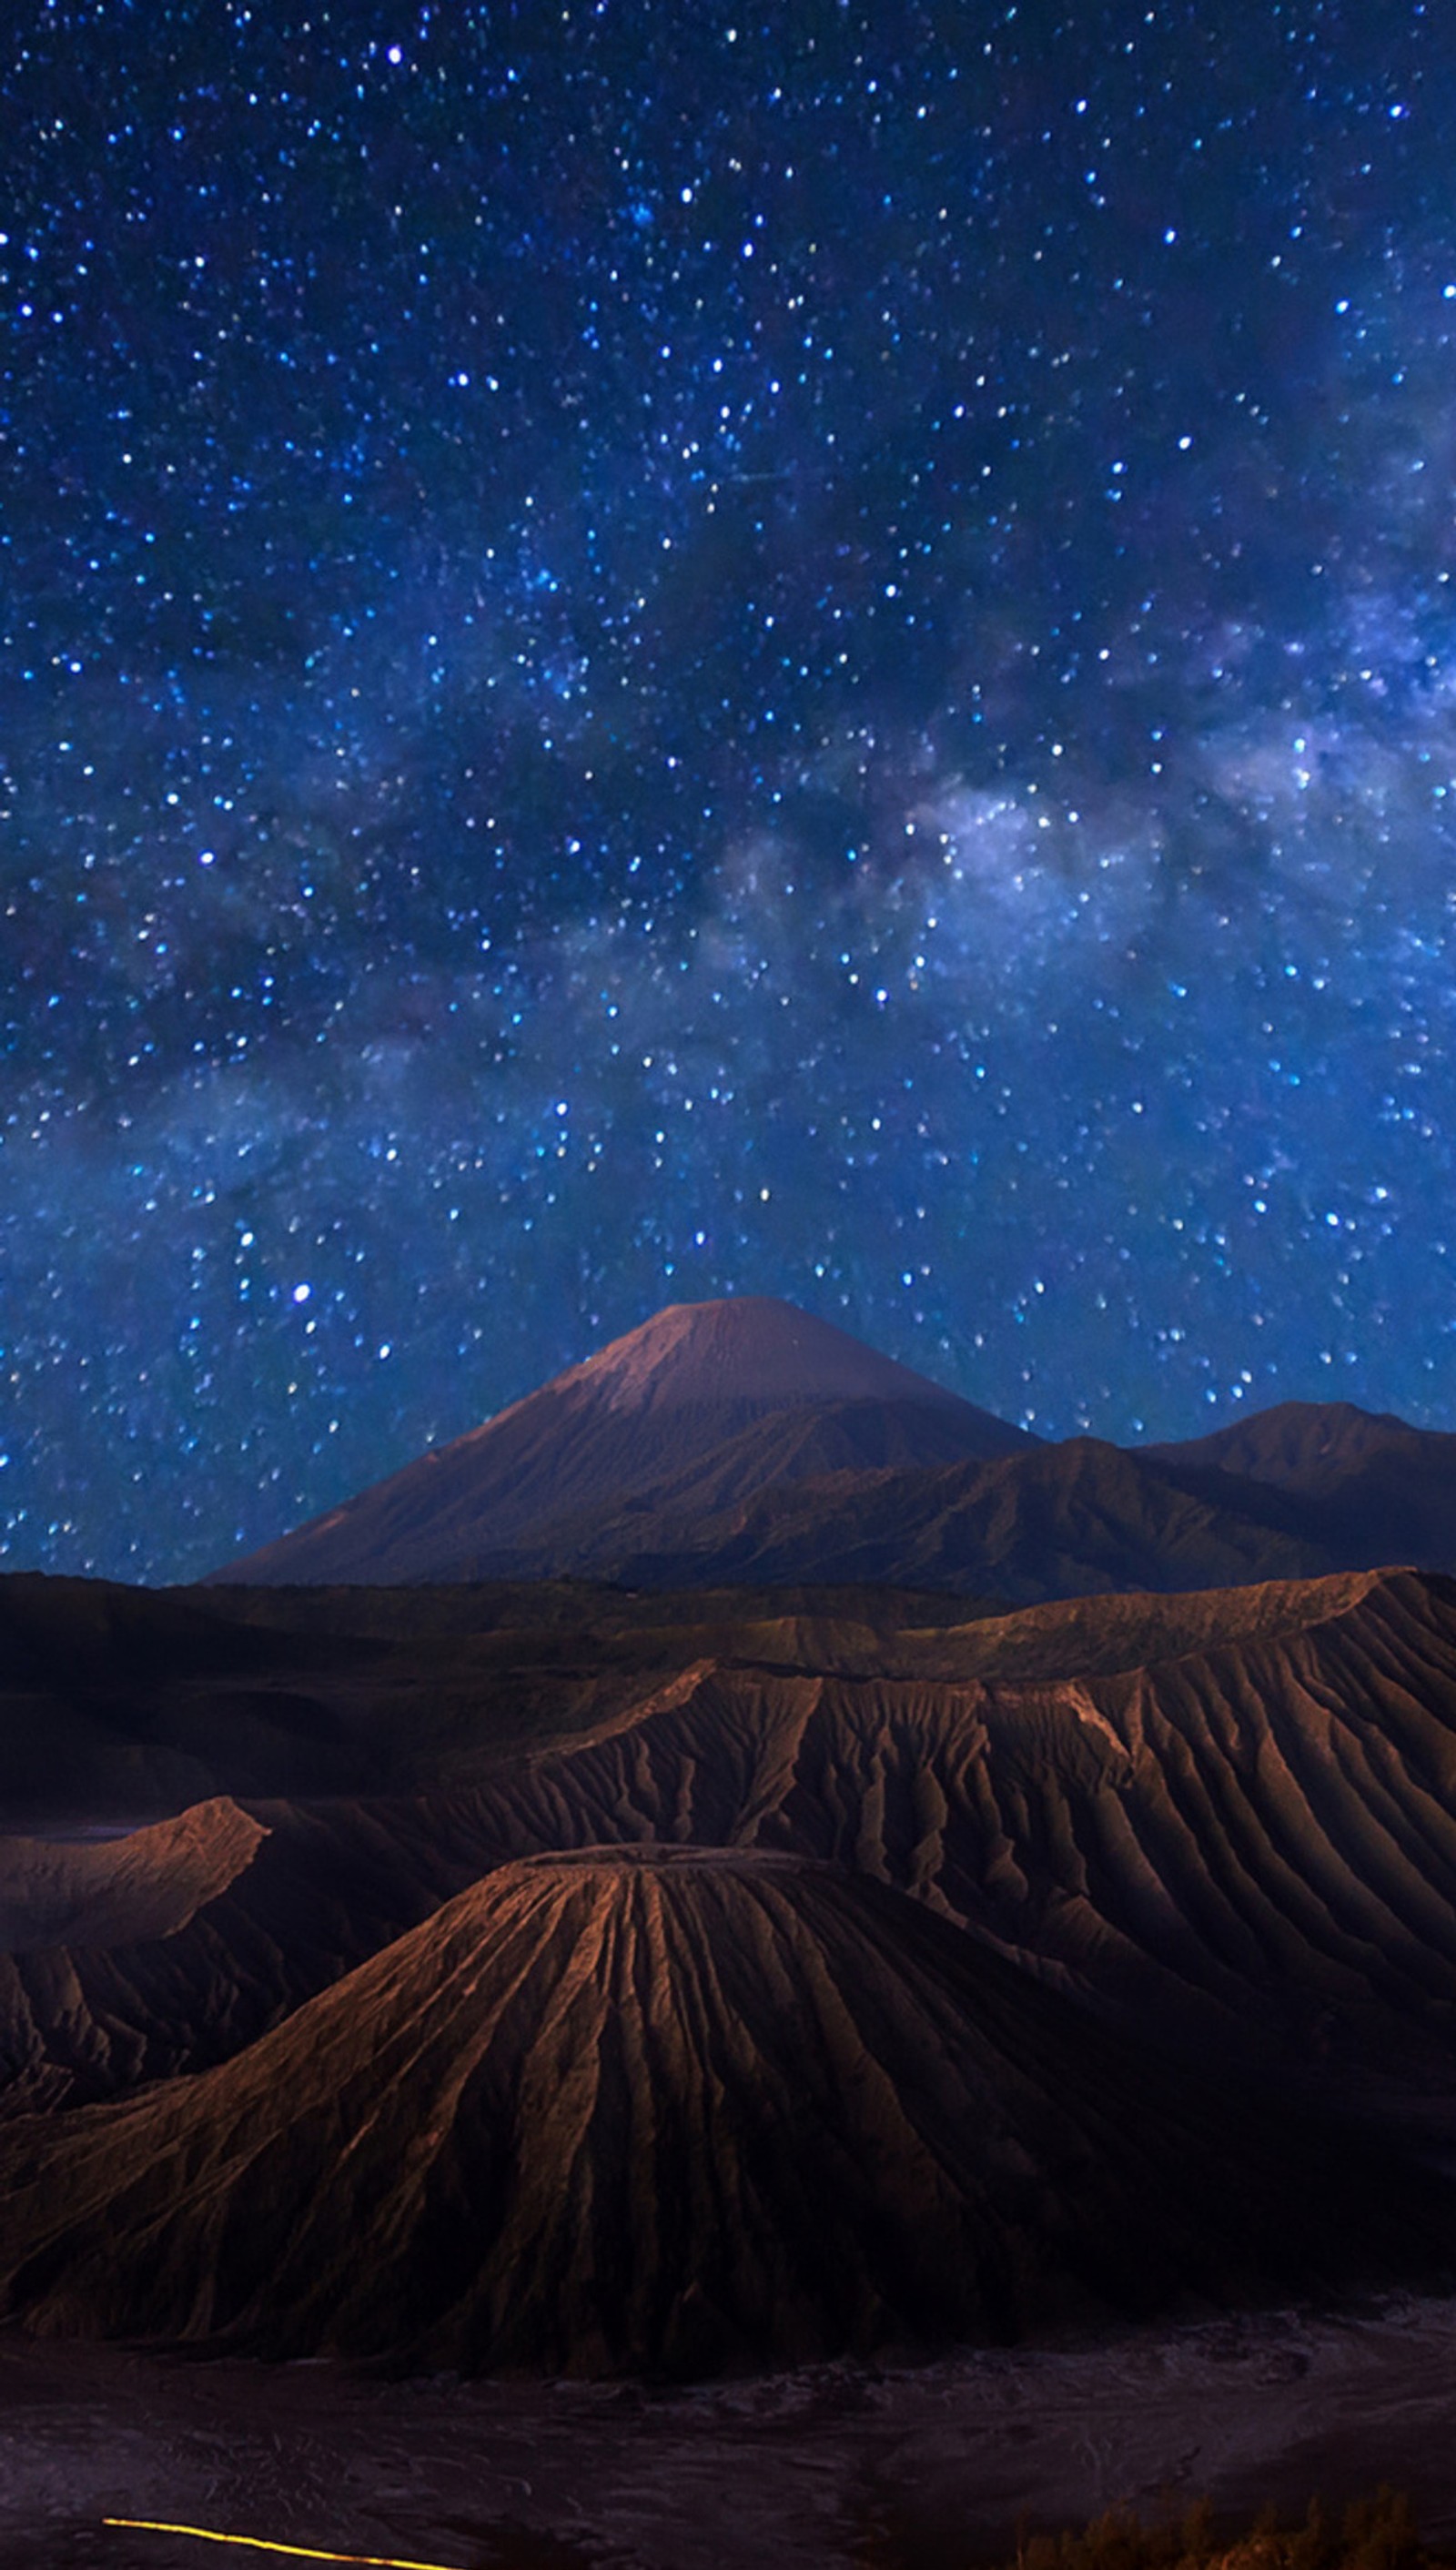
x=788, y=1447
x=123, y=1890
x=647, y=2108
x=1253, y=1841
x=1235, y=1829
x=1054, y=1521
x=640, y=1414
x=174, y=1947
x=1302, y=1445
x=1371, y=1487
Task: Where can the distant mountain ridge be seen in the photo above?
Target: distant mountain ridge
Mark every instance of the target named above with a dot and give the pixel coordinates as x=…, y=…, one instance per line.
x=1368, y=1486
x=1302, y=1445
x=634, y=1421
x=1057, y=1521
x=742, y=1441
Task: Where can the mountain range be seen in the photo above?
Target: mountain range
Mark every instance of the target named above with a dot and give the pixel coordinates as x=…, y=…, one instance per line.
x=741, y=1441
x=851, y=1878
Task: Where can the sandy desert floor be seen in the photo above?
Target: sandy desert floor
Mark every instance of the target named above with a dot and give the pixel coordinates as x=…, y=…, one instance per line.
x=832, y=2467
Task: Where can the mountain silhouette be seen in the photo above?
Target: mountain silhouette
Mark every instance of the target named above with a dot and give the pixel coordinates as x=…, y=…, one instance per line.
x=743, y=1858
x=1369, y=1488
x=742, y=1441
x=676, y=1409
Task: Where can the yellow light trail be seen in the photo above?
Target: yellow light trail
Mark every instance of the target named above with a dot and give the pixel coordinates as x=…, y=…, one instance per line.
x=256, y=2543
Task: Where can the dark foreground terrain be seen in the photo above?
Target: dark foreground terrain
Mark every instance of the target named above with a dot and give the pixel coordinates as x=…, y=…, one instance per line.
x=842, y=2069
x=831, y=2469
x=656, y=1987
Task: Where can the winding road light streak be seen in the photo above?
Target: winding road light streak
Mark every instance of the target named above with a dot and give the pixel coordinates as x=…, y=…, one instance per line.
x=256, y=2543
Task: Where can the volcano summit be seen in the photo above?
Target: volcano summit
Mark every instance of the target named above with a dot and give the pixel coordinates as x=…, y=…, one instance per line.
x=695, y=1412
x=743, y=1440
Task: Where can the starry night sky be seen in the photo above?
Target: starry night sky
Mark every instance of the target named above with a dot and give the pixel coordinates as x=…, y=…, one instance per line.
x=648, y=651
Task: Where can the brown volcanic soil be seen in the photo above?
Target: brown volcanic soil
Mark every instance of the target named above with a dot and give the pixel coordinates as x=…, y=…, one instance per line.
x=1232, y=1829
x=117, y=1703
x=666, y=2108
x=173, y=1948
x=149, y=1884
x=1250, y=1844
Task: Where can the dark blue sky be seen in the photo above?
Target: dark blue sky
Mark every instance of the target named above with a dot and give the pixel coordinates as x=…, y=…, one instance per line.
x=655, y=652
